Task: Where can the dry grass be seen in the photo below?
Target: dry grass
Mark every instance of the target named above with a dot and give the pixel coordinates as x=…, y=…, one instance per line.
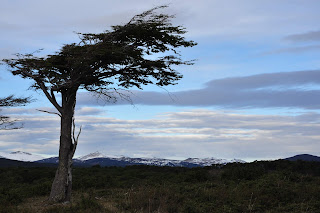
x=41, y=205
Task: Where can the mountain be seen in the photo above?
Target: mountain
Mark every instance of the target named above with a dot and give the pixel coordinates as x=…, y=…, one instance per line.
x=210, y=161
x=25, y=159
x=97, y=158
x=190, y=162
x=304, y=157
x=91, y=156
x=21, y=156
x=4, y=162
x=54, y=160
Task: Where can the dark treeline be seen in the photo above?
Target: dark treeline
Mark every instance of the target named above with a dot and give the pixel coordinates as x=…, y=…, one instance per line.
x=264, y=186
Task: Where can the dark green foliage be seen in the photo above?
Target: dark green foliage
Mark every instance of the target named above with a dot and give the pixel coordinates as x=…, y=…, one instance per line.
x=278, y=186
x=10, y=101
x=19, y=183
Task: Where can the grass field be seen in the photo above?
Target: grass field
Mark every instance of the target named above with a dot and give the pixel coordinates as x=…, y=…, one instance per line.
x=278, y=186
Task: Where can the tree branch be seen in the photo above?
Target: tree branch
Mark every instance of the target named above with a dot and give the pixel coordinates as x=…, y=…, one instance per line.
x=6, y=124
x=40, y=110
x=53, y=96
x=11, y=101
x=75, y=139
x=52, y=99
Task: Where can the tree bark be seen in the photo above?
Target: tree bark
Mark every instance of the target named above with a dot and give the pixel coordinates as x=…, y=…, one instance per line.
x=62, y=184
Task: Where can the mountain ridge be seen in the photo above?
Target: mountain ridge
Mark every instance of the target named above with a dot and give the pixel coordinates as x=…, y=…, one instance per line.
x=21, y=156
x=97, y=158
x=304, y=157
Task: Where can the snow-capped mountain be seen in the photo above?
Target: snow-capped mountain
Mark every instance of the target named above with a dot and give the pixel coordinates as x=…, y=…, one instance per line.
x=190, y=162
x=151, y=161
x=210, y=161
x=91, y=156
x=97, y=158
x=21, y=156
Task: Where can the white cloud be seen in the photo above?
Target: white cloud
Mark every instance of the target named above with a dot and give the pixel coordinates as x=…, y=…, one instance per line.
x=195, y=133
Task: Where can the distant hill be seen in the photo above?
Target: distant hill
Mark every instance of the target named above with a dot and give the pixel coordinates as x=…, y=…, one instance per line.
x=122, y=162
x=21, y=156
x=97, y=158
x=87, y=163
x=15, y=163
x=23, y=159
x=304, y=157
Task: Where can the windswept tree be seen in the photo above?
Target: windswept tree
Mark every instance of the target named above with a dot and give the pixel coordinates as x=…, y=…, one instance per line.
x=10, y=101
x=141, y=52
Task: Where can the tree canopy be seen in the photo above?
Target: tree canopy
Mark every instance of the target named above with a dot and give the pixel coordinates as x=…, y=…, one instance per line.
x=141, y=52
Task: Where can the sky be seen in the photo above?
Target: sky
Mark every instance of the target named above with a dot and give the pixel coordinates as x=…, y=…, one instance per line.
x=252, y=94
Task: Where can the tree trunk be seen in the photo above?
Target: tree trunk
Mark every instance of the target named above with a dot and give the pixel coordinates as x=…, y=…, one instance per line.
x=62, y=184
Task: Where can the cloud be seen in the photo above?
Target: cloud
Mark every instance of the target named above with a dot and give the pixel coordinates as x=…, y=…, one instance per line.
x=28, y=26
x=88, y=111
x=308, y=37
x=304, y=37
x=298, y=89
x=302, y=49
x=194, y=133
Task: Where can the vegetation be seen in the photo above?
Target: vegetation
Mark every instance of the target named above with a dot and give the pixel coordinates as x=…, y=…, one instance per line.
x=10, y=101
x=142, y=52
x=277, y=186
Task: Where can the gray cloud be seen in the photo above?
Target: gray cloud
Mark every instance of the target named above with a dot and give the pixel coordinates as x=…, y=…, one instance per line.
x=311, y=36
x=301, y=49
x=304, y=37
x=298, y=89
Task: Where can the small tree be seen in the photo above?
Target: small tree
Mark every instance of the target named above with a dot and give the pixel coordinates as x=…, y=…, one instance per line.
x=10, y=101
x=141, y=52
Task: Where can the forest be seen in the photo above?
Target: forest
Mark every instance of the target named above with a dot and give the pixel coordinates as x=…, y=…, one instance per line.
x=260, y=186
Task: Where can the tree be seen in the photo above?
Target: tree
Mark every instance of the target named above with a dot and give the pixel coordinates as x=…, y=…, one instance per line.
x=10, y=101
x=141, y=52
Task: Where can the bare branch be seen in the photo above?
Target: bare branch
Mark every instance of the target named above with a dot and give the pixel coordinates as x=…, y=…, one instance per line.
x=170, y=94
x=75, y=139
x=111, y=94
x=79, y=134
x=40, y=110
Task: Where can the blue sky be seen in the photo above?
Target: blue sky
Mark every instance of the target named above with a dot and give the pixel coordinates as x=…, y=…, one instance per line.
x=253, y=92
